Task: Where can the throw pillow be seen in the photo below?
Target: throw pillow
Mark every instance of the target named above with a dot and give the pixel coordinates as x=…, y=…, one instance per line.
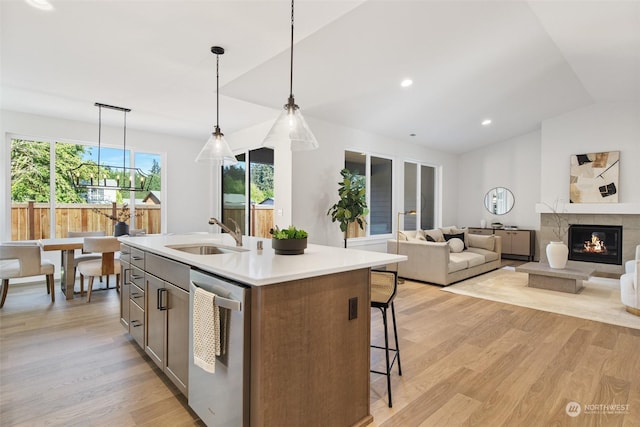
x=429, y=238
x=460, y=236
x=456, y=245
x=466, y=234
x=402, y=236
x=435, y=234
x=482, y=242
x=420, y=235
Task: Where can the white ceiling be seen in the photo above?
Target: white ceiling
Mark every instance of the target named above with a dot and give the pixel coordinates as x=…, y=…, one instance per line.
x=515, y=62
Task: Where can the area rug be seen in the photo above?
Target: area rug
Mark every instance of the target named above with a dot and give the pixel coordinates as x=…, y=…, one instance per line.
x=599, y=299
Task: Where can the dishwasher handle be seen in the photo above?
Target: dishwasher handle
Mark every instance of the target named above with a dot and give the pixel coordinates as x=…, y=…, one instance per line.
x=223, y=302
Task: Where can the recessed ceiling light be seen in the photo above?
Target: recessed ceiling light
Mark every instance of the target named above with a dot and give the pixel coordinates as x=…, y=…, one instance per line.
x=486, y=122
x=412, y=134
x=40, y=4
x=406, y=83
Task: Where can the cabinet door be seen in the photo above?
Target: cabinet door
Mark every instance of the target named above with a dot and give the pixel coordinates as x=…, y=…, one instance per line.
x=520, y=242
x=177, y=356
x=125, y=270
x=506, y=241
x=155, y=324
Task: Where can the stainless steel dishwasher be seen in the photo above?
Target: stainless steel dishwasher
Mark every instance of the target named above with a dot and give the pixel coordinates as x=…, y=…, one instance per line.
x=222, y=398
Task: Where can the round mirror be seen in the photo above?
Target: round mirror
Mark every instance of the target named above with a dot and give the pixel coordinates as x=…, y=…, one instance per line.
x=499, y=200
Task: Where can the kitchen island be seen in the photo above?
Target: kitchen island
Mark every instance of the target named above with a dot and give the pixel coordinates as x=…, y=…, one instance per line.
x=307, y=333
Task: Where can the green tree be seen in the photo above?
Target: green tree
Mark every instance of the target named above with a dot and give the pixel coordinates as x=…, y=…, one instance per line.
x=154, y=176
x=233, y=182
x=68, y=156
x=30, y=163
x=262, y=177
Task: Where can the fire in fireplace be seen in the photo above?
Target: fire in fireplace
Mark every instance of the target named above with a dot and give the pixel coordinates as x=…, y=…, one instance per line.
x=595, y=243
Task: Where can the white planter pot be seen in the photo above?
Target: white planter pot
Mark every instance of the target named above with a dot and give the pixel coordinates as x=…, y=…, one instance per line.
x=557, y=254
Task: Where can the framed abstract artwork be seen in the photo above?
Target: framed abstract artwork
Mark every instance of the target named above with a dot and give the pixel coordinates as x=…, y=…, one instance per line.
x=594, y=177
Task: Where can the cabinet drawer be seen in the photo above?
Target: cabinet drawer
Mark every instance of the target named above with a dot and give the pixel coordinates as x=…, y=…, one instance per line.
x=136, y=325
x=137, y=277
x=136, y=295
x=481, y=231
x=137, y=257
x=168, y=270
x=125, y=253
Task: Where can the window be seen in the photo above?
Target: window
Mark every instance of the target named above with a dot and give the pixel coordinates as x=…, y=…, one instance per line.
x=419, y=195
x=378, y=175
x=259, y=196
x=42, y=210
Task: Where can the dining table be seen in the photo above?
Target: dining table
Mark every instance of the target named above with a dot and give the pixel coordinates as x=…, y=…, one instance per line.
x=67, y=246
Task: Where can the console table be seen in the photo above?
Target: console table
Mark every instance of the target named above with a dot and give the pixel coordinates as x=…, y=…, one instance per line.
x=563, y=280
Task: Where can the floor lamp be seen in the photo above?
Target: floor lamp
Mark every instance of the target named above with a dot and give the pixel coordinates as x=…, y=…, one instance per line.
x=411, y=212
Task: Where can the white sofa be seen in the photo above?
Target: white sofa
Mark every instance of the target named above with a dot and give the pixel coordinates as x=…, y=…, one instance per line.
x=442, y=261
x=630, y=284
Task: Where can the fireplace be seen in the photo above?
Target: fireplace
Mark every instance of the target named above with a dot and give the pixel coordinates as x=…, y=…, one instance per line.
x=595, y=243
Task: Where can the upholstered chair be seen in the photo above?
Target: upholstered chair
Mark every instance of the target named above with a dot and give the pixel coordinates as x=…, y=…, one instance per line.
x=630, y=284
x=23, y=260
x=80, y=256
x=106, y=266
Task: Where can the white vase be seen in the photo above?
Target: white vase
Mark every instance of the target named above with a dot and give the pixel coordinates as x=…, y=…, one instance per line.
x=557, y=254
x=483, y=223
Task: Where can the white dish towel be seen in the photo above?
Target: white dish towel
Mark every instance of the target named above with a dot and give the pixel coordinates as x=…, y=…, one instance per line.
x=206, y=330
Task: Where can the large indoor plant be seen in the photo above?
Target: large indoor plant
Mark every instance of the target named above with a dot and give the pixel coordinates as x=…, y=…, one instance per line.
x=352, y=206
x=288, y=241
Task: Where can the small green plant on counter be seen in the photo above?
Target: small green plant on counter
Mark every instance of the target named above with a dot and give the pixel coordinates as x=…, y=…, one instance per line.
x=288, y=233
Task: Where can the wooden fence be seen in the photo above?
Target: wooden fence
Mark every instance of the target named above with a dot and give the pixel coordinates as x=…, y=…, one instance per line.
x=261, y=218
x=32, y=221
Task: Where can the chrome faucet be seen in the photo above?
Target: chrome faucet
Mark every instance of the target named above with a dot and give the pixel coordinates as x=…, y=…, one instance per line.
x=237, y=235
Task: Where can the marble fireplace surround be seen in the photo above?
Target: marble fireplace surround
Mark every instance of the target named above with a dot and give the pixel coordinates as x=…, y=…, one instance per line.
x=625, y=214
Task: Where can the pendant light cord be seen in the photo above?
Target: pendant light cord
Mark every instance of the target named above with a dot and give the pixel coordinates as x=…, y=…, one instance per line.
x=291, y=70
x=217, y=92
x=99, y=137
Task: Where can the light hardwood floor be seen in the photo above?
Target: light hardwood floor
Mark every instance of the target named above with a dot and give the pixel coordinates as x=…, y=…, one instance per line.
x=465, y=361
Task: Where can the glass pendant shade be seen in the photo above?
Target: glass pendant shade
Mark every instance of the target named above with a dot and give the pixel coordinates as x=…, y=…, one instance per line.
x=291, y=126
x=216, y=150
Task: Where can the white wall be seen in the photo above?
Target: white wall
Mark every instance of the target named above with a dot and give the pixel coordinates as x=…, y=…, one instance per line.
x=514, y=164
x=597, y=128
x=316, y=175
x=187, y=184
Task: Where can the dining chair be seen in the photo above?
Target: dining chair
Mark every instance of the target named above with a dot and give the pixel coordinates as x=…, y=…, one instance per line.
x=23, y=260
x=384, y=286
x=107, y=265
x=82, y=255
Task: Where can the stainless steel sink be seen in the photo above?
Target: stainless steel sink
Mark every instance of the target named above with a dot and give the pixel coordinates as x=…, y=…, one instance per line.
x=206, y=249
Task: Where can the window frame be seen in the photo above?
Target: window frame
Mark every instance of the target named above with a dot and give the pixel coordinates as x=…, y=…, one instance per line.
x=52, y=141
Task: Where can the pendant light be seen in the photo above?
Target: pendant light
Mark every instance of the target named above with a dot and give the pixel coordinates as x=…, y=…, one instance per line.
x=290, y=125
x=93, y=178
x=216, y=149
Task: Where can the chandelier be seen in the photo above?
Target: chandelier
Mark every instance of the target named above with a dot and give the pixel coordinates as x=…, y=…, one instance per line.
x=91, y=175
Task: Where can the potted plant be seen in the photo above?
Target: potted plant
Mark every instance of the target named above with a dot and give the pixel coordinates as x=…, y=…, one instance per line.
x=288, y=241
x=557, y=251
x=121, y=217
x=352, y=206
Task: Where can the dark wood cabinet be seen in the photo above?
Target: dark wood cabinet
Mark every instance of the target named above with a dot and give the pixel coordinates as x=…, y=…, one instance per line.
x=154, y=309
x=167, y=318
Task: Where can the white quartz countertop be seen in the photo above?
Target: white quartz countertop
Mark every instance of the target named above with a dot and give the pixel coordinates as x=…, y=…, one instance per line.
x=258, y=268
